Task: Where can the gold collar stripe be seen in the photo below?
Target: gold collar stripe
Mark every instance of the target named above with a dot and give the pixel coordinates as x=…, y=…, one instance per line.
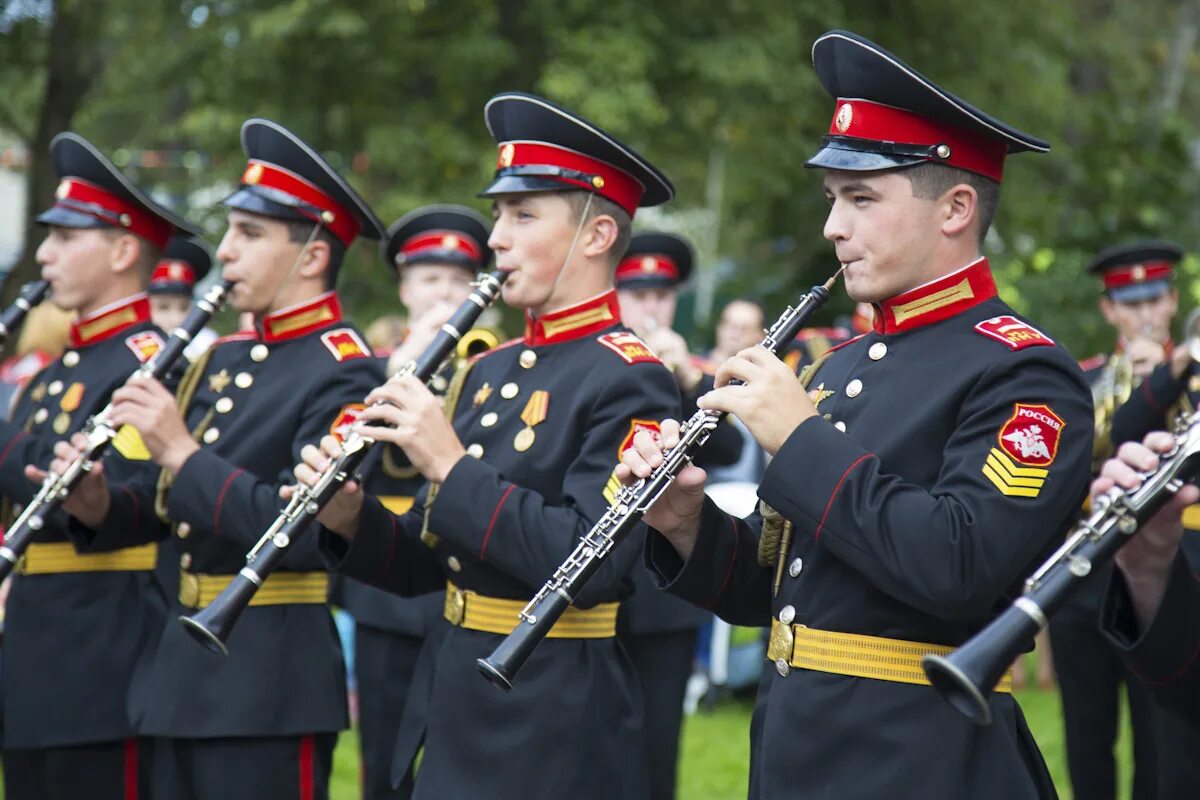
x=924, y=305
x=304, y=319
x=98, y=327
x=571, y=322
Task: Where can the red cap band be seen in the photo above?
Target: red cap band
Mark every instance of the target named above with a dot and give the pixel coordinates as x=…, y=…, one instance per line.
x=863, y=119
x=454, y=241
x=1138, y=273
x=647, y=266
x=602, y=178
x=172, y=270
x=82, y=197
x=340, y=222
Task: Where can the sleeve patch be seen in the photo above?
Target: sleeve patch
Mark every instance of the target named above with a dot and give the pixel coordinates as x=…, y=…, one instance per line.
x=345, y=418
x=1027, y=446
x=628, y=346
x=144, y=345
x=1014, y=333
x=345, y=344
x=634, y=426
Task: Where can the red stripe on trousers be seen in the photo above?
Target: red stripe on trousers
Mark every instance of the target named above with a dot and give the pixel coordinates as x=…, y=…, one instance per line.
x=131, y=769
x=307, y=778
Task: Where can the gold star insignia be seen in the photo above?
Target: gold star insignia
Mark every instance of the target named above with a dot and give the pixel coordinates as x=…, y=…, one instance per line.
x=219, y=381
x=38, y=393
x=483, y=393
x=818, y=394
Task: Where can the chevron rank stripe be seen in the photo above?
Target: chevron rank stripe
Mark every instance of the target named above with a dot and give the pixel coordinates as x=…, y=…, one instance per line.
x=1010, y=479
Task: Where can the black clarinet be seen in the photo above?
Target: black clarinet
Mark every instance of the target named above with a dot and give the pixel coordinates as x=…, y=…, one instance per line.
x=30, y=295
x=626, y=511
x=211, y=626
x=967, y=677
x=100, y=433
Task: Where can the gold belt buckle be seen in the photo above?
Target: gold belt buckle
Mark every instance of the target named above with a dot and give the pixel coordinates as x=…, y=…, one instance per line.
x=456, y=606
x=189, y=590
x=783, y=640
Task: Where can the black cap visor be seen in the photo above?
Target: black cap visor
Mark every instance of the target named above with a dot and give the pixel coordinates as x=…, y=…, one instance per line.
x=66, y=218
x=1138, y=292
x=271, y=203
x=648, y=282
x=862, y=155
x=171, y=287
x=526, y=184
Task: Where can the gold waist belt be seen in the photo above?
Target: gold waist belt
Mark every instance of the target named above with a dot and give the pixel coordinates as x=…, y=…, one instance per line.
x=280, y=589
x=855, y=654
x=50, y=558
x=476, y=612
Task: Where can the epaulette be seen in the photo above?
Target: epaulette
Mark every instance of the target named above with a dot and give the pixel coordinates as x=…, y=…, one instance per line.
x=629, y=347
x=236, y=336
x=495, y=349
x=806, y=334
x=1013, y=333
x=1095, y=362
x=144, y=345
x=345, y=344
x=705, y=365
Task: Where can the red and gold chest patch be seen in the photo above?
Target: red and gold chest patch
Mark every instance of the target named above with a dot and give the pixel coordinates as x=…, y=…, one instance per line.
x=1027, y=446
x=346, y=418
x=636, y=425
x=144, y=345
x=345, y=344
x=628, y=346
x=1014, y=333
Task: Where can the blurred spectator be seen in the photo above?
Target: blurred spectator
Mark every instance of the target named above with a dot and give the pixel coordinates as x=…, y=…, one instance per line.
x=42, y=339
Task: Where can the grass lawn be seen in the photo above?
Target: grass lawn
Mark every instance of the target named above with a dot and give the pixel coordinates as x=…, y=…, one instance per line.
x=716, y=749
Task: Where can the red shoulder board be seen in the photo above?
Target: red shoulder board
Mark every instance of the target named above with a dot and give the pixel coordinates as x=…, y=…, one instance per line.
x=345, y=344
x=705, y=365
x=1095, y=362
x=636, y=425
x=345, y=418
x=1011, y=331
x=807, y=334
x=628, y=346
x=144, y=345
x=236, y=336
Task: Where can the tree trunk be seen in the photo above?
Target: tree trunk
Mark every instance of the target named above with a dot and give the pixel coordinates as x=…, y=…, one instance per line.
x=74, y=61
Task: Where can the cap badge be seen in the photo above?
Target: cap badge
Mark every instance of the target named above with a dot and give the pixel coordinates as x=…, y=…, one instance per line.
x=1139, y=273
x=450, y=242
x=64, y=189
x=649, y=263
x=176, y=272
x=506, y=155
x=845, y=116
x=253, y=174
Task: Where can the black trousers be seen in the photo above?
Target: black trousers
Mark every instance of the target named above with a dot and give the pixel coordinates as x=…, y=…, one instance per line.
x=268, y=768
x=104, y=771
x=1090, y=674
x=383, y=663
x=664, y=663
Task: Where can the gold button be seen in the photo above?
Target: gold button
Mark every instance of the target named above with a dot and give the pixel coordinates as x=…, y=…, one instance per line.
x=211, y=435
x=508, y=391
x=795, y=567
x=527, y=359
x=185, y=560
x=877, y=351
x=454, y=564
x=489, y=419
x=70, y=358
x=40, y=415
x=55, y=387
x=224, y=405
x=854, y=388
x=243, y=380
x=782, y=667
x=438, y=384
x=183, y=530
x=475, y=451
x=259, y=352
x=787, y=614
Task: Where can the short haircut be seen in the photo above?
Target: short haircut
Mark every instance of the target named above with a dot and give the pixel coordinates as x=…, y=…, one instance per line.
x=930, y=181
x=750, y=302
x=299, y=231
x=578, y=200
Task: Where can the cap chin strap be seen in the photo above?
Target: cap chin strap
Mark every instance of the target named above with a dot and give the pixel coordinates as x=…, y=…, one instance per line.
x=292, y=269
x=583, y=218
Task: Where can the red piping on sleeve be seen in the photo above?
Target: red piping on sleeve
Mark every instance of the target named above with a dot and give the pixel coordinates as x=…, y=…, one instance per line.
x=737, y=537
x=9, y=446
x=392, y=550
x=492, y=522
x=836, y=489
x=221, y=500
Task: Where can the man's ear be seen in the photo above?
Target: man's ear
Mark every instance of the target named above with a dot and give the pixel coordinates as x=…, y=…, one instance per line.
x=960, y=206
x=1108, y=309
x=601, y=235
x=125, y=252
x=315, y=260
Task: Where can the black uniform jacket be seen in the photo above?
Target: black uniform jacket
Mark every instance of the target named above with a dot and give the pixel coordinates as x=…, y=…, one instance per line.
x=1167, y=654
x=253, y=401
x=950, y=452
x=73, y=640
x=504, y=520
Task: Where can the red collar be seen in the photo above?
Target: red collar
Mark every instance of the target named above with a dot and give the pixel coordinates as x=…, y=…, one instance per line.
x=574, y=322
x=110, y=320
x=298, y=320
x=937, y=300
